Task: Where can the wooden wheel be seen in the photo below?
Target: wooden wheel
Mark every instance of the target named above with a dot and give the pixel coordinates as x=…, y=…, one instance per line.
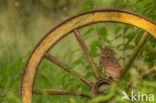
x=71, y=25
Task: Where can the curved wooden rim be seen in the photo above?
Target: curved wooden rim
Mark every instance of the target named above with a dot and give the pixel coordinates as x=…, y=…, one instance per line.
x=90, y=17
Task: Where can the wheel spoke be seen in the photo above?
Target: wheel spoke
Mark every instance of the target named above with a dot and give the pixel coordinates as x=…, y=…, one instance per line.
x=134, y=54
x=63, y=66
x=86, y=52
x=144, y=74
x=58, y=92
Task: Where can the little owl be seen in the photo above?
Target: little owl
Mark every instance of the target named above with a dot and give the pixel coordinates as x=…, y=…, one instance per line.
x=109, y=64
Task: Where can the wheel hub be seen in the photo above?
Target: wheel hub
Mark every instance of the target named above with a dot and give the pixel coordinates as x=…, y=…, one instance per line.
x=98, y=84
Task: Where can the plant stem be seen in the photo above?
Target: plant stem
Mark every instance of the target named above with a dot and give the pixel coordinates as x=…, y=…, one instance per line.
x=134, y=54
x=144, y=74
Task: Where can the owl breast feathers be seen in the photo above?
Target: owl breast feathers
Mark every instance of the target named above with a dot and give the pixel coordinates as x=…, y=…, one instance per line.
x=109, y=64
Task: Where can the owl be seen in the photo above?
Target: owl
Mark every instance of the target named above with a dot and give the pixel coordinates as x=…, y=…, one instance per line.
x=109, y=64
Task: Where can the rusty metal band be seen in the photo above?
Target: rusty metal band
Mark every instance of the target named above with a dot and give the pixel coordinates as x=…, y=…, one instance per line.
x=56, y=34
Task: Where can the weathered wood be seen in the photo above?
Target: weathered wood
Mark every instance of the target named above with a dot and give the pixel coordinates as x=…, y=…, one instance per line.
x=63, y=66
x=56, y=34
x=87, y=54
x=58, y=92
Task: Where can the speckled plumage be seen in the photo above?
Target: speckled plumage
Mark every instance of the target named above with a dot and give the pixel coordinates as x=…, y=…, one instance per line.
x=109, y=64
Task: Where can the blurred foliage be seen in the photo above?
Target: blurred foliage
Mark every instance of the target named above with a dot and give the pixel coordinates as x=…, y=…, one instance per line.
x=21, y=15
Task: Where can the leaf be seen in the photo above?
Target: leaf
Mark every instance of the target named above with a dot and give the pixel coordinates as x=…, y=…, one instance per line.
x=89, y=30
x=137, y=38
x=138, y=1
x=77, y=61
x=130, y=37
x=117, y=29
x=94, y=47
x=103, y=98
x=102, y=31
x=119, y=3
x=118, y=36
x=126, y=28
x=91, y=3
x=154, y=3
x=151, y=84
x=87, y=5
x=128, y=46
x=119, y=47
x=73, y=51
x=138, y=8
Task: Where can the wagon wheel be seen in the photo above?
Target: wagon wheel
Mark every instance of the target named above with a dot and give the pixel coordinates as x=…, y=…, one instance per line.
x=71, y=25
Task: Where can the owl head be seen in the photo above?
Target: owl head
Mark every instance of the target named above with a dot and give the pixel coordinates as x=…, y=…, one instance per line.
x=106, y=52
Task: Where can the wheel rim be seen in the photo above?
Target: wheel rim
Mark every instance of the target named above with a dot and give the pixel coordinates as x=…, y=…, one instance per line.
x=56, y=34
